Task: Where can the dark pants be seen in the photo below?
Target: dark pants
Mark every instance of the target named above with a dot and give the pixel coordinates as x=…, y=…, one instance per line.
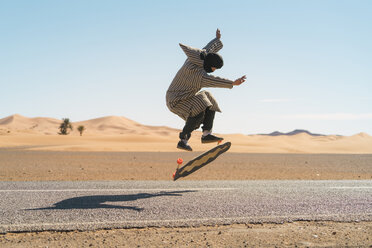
x=192, y=123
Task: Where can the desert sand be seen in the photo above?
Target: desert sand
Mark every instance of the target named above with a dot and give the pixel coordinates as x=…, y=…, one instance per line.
x=115, y=148
x=115, y=133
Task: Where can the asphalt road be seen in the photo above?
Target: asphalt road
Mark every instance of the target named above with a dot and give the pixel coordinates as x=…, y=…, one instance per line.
x=37, y=206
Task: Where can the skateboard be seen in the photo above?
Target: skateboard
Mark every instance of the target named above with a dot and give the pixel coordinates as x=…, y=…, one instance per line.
x=200, y=161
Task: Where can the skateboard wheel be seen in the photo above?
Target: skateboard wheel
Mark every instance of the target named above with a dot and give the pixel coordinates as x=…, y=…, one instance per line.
x=179, y=161
x=219, y=142
x=174, y=175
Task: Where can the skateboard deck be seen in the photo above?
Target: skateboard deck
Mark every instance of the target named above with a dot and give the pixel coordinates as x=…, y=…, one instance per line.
x=200, y=161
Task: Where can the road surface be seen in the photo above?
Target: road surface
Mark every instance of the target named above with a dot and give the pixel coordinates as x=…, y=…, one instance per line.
x=38, y=206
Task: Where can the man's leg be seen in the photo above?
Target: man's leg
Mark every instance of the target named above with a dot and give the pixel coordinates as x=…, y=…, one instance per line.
x=208, y=120
x=192, y=123
x=207, y=127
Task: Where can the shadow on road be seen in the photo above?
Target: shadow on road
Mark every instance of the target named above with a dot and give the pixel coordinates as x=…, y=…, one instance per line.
x=100, y=201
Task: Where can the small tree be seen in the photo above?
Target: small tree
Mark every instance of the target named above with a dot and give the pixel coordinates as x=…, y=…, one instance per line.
x=65, y=126
x=81, y=129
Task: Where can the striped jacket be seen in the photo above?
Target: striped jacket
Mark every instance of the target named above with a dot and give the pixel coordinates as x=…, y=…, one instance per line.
x=184, y=97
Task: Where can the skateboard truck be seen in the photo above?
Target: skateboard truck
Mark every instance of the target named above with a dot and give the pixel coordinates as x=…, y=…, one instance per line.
x=179, y=162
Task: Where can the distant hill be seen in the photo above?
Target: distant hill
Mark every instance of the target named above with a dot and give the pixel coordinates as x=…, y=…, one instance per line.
x=294, y=132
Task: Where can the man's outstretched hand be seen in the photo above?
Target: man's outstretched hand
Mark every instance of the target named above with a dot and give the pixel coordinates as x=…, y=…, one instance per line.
x=218, y=34
x=239, y=81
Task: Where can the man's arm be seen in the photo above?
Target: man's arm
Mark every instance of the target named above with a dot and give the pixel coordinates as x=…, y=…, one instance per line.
x=216, y=82
x=214, y=45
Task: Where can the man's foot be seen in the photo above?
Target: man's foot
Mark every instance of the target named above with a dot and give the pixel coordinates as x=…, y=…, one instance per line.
x=184, y=146
x=210, y=139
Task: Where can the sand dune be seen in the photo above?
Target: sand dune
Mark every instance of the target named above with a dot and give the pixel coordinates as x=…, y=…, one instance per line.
x=113, y=133
x=110, y=125
x=18, y=124
x=120, y=125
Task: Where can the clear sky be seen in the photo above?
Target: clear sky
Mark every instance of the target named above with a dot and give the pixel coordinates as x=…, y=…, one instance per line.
x=308, y=63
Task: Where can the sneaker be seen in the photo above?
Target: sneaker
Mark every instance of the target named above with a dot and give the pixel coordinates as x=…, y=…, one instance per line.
x=210, y=139
x=184, y=146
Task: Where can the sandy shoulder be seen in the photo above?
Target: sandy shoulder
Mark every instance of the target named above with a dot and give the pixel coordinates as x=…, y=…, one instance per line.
x=297, y=234
x=25, y=165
